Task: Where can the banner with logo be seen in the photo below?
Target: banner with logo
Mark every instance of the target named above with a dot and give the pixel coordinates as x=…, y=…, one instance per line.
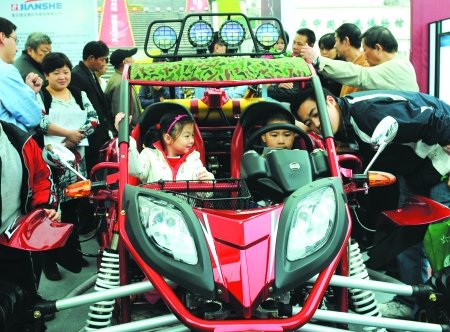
x=115, y=29
x=326, y=16
x=70, y=24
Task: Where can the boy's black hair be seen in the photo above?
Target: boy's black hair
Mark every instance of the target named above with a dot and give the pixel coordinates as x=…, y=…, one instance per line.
x=306, y=94
x=278, y=117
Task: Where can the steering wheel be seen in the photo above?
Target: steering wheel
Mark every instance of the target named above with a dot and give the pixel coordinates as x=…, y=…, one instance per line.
x=278, y=126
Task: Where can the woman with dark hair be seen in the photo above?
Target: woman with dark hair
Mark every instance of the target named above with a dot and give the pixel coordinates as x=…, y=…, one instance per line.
x=326, y=46
x=327, y=49
x=69, y=120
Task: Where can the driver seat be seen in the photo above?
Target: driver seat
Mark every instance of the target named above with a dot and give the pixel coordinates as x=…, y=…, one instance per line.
x=253, y=118
x=152, y=115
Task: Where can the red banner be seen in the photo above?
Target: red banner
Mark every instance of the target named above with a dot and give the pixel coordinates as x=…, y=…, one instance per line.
x=115, y=27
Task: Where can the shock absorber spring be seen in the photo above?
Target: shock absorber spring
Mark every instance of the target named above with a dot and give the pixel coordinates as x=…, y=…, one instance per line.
x=107, y=277
x=364, y=301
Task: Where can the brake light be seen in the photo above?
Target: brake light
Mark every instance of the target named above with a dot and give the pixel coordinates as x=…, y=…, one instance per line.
x=78, y=189
x=379, y=179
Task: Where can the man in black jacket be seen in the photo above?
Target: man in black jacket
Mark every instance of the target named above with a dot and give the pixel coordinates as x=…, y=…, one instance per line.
x=419, y=156
x=95, y=56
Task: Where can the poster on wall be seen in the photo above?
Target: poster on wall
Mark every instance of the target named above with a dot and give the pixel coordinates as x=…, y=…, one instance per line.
x=70, y=24
x=327, y=15
x=115, y=29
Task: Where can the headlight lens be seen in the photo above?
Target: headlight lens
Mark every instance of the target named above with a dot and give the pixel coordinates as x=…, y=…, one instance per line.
x=166, y=228
x=267, y=35
x=164, y=38
x=314, y=218
x=200, y=34
x=232, y=33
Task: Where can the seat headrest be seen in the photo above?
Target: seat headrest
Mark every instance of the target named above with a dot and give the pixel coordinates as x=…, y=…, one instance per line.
x=258, y=113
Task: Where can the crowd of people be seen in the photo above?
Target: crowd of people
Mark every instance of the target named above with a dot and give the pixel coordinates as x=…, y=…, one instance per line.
x=44, y=99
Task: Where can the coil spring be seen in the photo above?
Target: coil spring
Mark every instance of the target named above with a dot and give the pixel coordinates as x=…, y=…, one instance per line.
x=363, y=301
x=107, y=277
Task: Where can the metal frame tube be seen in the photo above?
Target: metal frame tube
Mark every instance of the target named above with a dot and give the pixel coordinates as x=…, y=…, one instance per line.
x=389, y=323
x=377, y=286
x=109, y=294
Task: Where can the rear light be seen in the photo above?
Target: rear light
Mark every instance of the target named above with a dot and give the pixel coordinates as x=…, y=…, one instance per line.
x=379, y=179
x=78, y=189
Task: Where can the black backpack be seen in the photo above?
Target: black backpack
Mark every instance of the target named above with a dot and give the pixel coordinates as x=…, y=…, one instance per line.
x=47, y=97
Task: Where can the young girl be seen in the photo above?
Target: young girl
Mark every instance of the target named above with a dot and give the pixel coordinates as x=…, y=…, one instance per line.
x=168, y=153
x=278, y=47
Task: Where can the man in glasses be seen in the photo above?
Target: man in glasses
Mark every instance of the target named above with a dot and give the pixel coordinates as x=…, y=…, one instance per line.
x=17, y=100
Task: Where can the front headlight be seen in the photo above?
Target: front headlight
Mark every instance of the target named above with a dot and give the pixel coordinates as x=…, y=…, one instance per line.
x=312, y=229
x=313, y=219
x=166, y=228
x=163, y=233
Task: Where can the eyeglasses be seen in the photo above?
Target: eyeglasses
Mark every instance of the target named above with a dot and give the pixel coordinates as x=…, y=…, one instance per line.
x=15, y=39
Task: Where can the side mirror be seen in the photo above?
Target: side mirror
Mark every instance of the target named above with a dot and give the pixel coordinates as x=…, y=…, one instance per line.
x=57, y=155
x=384, y=132
x=61, y=157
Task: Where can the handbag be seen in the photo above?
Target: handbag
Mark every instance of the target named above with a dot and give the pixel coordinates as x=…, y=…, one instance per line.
x=437, y=245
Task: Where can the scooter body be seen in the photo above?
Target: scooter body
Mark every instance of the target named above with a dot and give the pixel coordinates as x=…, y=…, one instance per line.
x=242, y=267
x=244, y=264
x=36, y=232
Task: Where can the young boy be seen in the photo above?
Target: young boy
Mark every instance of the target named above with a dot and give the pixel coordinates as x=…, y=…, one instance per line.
x=279, y=138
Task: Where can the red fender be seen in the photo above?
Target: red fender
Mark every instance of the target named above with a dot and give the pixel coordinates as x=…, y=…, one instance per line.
x=418, y=210
x=36, y=232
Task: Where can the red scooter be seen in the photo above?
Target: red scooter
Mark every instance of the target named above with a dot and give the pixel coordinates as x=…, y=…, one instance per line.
x=220, y=259
x=239, y=265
